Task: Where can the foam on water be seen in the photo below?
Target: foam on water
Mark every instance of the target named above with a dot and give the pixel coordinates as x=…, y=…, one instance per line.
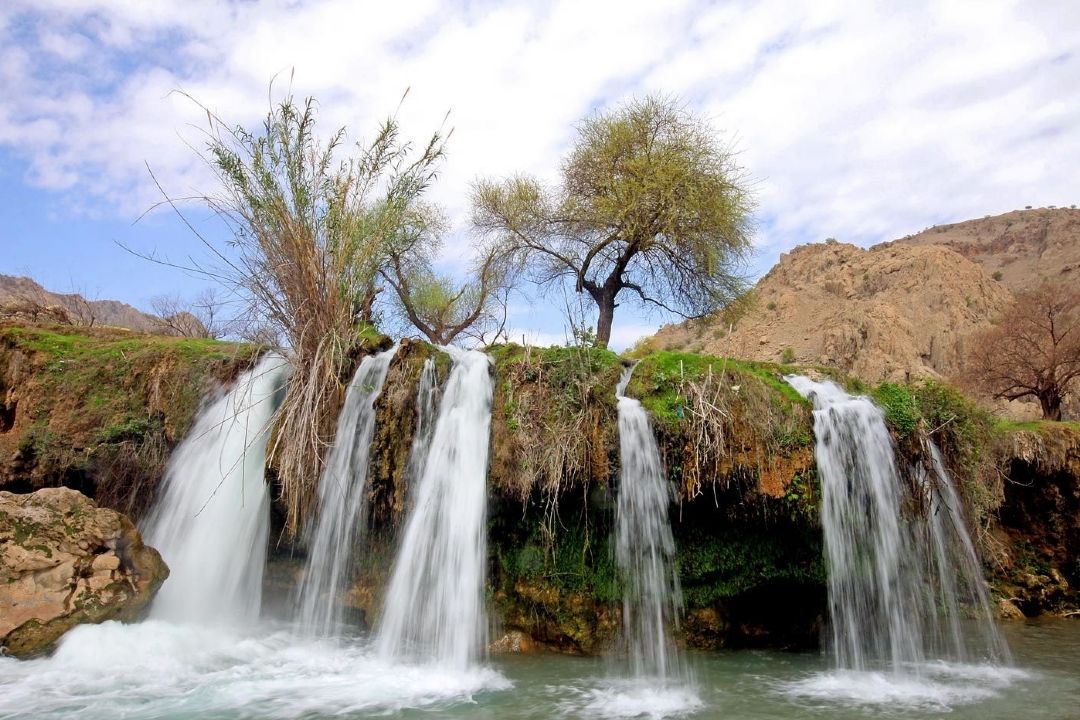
x=629, y=699
x=938, y=686
x=161, y=669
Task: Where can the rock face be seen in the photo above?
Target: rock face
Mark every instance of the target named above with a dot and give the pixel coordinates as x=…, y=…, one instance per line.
x=65, y=561
x=1020, y=247
x=893, y=312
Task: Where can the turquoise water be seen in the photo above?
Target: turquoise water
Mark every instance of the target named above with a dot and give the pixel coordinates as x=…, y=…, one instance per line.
x=155, y=670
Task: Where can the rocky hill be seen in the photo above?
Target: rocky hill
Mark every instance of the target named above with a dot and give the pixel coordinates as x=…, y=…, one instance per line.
x=891, y=312
x=1019, y=247
x=23, y=296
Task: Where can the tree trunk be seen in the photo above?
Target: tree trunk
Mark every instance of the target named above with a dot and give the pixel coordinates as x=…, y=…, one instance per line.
x=1051, y=405
x=606, y=303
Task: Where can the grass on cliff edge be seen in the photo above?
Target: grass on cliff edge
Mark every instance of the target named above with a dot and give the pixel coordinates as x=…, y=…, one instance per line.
x=107, y=376
x=106, y=403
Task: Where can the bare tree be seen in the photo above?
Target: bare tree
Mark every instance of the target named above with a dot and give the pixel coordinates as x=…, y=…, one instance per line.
x=201, y=317
x=81, y=311
x=1032, y=351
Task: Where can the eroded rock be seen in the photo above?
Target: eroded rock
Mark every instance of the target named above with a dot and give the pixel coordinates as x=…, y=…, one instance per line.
x=65, y=561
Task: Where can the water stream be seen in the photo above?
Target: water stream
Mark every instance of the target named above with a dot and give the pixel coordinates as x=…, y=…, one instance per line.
x=211, y=521
x=333, y=539
x=187, y=665
x=434, y=607
x=645, y=553
x=906, y=592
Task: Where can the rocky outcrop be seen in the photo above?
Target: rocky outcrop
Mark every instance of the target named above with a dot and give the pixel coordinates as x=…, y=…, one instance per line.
x=1037, y=566
x=893, y=312
x=1019, y=247
x=65, y=561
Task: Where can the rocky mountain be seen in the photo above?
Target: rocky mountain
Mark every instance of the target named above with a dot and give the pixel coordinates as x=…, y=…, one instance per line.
x=1019, y=247
x=901, y=309
x=21, y=295
x=891, y=312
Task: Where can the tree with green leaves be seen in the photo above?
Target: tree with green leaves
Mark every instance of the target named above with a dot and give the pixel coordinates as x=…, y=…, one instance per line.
x=650, y=205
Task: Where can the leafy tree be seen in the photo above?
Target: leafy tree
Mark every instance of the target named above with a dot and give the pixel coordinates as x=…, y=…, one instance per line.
x=437, y=305
x=649, y=203
x=1032, y=351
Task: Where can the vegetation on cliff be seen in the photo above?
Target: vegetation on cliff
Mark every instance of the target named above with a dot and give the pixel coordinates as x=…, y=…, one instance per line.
x=100, y=409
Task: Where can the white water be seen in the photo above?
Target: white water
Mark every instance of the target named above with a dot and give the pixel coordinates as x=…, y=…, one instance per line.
x=966, y=630
x=343, y=487
x=908, y=605
x=434, y=605
x=210, y=523
x=199, y=656
x=427, y=398
x=644, y=546
x=164, y=670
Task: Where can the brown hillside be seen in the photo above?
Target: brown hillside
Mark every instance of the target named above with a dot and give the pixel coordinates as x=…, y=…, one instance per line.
x=1024, y=246
x=16, y=290
x=894, y=311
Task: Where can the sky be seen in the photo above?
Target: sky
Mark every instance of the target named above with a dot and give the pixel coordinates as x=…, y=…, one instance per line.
x=857, y=120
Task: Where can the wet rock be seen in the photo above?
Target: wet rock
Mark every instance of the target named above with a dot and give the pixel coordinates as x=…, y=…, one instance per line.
x=1007, y=610
x=514, y=642
x=65, y=561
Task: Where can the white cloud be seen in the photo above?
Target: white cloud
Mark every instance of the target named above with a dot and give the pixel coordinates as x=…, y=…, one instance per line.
x=860, y=120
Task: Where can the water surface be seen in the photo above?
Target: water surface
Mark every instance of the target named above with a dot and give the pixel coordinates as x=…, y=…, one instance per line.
x=165, y=671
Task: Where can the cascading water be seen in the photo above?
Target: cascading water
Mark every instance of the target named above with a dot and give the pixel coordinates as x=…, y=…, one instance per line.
x=342, y=501
x=211, y=522
x=644, y=547
x=966, y=631
x=427, y=396
x=902, y=570
x=434, y=604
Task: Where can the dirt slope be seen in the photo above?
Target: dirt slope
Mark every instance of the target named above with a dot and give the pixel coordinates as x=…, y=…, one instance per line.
x=20, y=290
x=895, y=311
x=1024, y=246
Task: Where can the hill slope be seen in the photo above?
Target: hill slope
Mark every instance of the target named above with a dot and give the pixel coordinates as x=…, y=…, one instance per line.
x=21, y=290
x=894, y=311
x=1024, y=246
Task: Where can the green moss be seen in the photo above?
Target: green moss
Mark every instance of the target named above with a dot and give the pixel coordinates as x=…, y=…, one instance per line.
x=721, y=563
x=1037, y=426
x=898, y=402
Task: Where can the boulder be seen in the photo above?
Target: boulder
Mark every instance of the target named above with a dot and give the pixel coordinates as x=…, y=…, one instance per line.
x=65, y=561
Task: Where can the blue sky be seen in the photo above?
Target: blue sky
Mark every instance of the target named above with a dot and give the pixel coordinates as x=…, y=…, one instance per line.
x=858, y=120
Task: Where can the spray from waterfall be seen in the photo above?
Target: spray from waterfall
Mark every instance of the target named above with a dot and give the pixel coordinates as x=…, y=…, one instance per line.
x=644, y=546
x=434, y=605
x=212, y=519
x=342, y=501
x=900, y=580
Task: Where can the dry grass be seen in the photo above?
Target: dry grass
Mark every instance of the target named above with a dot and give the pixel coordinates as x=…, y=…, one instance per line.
x=311, y=224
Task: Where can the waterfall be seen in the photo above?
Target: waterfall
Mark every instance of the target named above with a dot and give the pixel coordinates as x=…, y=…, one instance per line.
x=644, y=547
x=427, y=395
x=967, y=631
x=897, y=556
x=434, y=604
x=212, y=519
x=342, y=500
